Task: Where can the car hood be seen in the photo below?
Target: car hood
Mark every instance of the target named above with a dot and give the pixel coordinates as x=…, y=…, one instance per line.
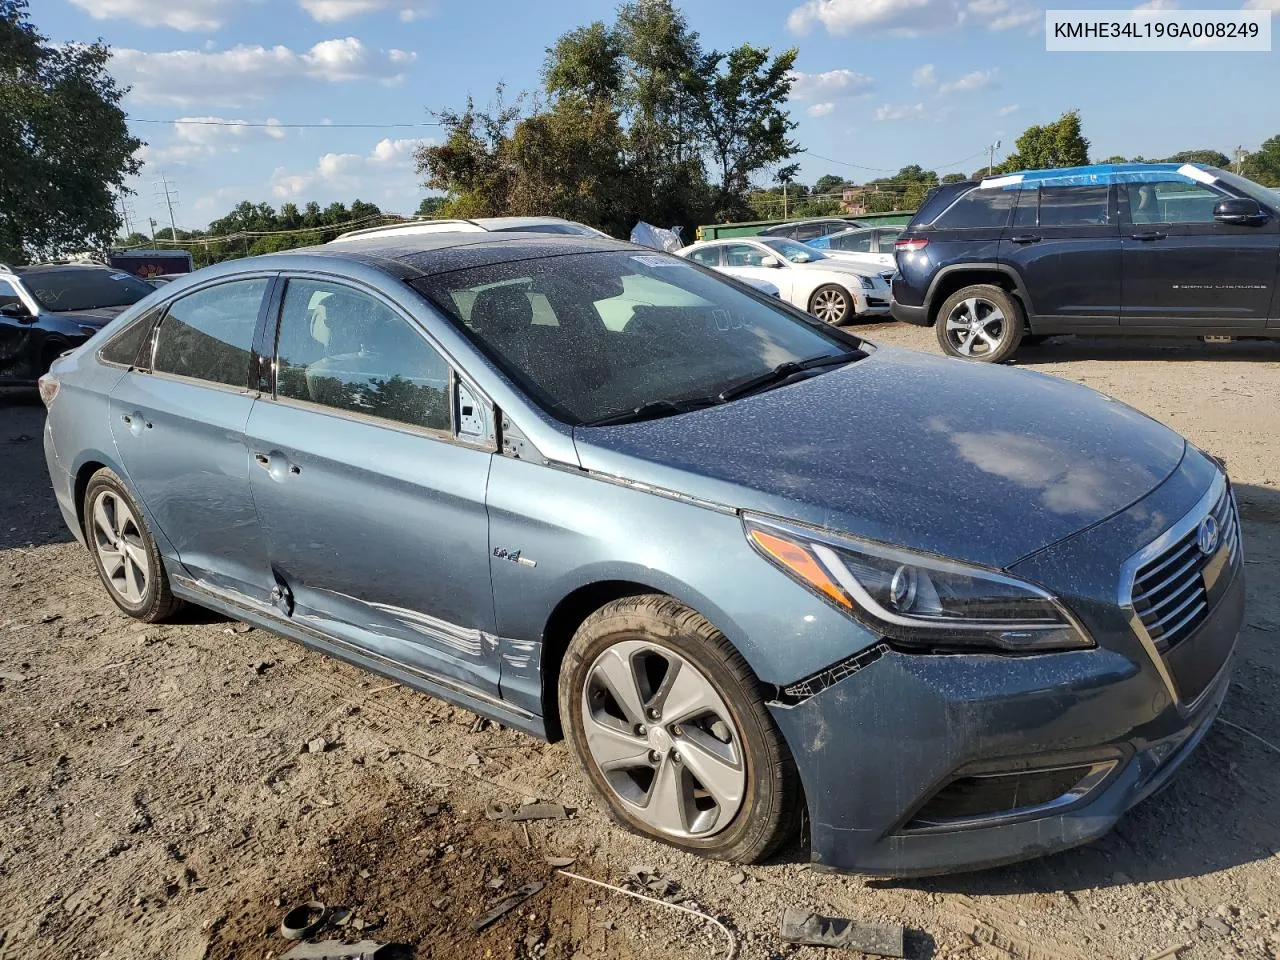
x=965, y=460
x=95, y=317
x=842, y=266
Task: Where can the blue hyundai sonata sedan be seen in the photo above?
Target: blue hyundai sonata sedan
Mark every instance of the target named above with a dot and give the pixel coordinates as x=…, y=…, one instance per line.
x=748, y=565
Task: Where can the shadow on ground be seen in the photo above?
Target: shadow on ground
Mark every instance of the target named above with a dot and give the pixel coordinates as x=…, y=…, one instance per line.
x=1068, y=348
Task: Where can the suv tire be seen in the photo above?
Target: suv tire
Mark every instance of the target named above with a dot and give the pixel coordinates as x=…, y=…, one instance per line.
x=124, y=552
x=980, y=322
x=646, y=756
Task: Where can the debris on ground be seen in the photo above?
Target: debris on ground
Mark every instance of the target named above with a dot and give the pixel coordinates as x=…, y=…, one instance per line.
x=503, y=907
x=337, y=950
x=318, y=745
x=814, y=930
x=303, y=920
x=526, y=812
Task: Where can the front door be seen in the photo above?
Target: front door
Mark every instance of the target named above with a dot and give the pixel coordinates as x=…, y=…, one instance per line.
x=374, y=506
x=178, y=422
x=1183, y=269
x=17, y=359
x=1065, y=245
x=746, y=260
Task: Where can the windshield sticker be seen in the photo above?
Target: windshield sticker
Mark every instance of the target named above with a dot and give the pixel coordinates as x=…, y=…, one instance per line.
x=654, y=261
x=119, y=276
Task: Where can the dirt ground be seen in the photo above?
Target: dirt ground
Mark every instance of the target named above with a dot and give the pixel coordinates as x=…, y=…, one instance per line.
x=156, y=800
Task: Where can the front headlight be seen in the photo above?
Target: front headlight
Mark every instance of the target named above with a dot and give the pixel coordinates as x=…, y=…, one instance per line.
x=921, y=601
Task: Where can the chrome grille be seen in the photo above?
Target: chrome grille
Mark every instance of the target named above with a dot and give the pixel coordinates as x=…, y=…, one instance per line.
x=1168, y=590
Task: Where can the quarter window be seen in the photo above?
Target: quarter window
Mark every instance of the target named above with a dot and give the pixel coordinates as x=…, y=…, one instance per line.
x=978, y=209
x=208, y=335
x=125, y=347
x=344, y=349
x=1171, y=202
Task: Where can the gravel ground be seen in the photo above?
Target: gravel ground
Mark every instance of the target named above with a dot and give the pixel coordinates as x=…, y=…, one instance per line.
x=157, y=801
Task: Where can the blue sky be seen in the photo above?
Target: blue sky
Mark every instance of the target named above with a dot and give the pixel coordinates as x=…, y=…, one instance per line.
x=882, y=83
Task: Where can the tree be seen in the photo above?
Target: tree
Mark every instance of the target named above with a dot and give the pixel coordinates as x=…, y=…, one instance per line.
x=1057, y=144
x=1264, y=165
x=954, y=178
x=65, y=149
x=1210, y=158
x=829, y=183
x=430, y=206
x=740, y=107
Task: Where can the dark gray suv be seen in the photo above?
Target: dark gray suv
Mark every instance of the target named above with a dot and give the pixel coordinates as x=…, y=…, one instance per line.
x=1132, y=249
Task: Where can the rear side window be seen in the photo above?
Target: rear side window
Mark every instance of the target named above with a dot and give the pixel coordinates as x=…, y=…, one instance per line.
x=126, y=346
x=854, y=242
x=1074, y=206
x=208, y=335
x=978, y=209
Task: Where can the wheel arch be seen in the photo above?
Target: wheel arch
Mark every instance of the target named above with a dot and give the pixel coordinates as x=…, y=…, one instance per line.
x=952, y=278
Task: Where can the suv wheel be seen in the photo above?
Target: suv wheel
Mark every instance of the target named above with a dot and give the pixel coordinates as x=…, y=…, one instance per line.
x=670, y=726
x=831, y=304
x=981, y=322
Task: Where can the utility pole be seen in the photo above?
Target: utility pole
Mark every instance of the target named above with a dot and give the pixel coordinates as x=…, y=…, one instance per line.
x=153, y=230
x=991, y=156
x=170, y=198
x=1239, y=159
x=784, y=199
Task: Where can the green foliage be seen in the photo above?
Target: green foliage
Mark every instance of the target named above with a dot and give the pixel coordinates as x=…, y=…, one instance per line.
x=430, y=206
x=637, y=114
x=1211, y=158
x=65, y=149
x=1264, y=165
x=829, y=183
x=954, y=178
x=1057, y=144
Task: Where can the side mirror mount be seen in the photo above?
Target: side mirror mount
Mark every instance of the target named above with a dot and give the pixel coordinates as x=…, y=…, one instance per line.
x=1240, y=211
x=772, y=263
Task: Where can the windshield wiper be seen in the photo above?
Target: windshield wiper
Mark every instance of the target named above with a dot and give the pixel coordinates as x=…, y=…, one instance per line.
x=652, y=410
x=783, y=372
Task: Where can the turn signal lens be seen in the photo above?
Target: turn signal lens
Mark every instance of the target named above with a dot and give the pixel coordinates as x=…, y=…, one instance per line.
x=799, y=562
x=48, y=385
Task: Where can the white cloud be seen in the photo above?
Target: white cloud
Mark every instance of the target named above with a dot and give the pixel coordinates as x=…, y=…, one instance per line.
x=902, y=111
x=1262, y=5
x=250, y=72
x=212, y=131
x=1159, y=5
x=924, y=76
x=389, y=163
x=821, y=109
x=191, y=15
x=910, y=17
x=978, y=80
x=331, y=11
x=1006, y=111
x=833, y=83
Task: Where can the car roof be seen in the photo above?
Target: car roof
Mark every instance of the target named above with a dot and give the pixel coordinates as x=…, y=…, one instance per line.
x=412, y=255
x=38, y=269
x=1099, y=174
x=478, y=225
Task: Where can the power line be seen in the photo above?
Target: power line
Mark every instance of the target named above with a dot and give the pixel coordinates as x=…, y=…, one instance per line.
x=242, y=234
x=291, y=126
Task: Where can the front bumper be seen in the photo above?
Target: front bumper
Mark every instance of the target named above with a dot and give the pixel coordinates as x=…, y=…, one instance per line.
x=887, y=740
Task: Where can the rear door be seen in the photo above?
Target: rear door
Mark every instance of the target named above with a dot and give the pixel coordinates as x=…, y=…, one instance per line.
x=372, y=496
x=1184, y=269
x=1065, y=245
x=178, y=422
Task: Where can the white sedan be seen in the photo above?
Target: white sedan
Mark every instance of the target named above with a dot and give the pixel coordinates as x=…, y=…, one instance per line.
x=830, y=290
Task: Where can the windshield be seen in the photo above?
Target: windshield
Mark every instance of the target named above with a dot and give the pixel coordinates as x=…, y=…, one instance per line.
x=79, y=289
x=1247, y=187
x=791, y=250
x=593, y=336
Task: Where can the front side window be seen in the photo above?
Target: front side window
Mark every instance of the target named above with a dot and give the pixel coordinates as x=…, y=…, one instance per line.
x=344, y=349
x=1171, y=201
x=977, y=209
x=208, y=335
x=743, y=255
x=792, y=251
x=8, y=294
x=86, y=288
x=632, y=330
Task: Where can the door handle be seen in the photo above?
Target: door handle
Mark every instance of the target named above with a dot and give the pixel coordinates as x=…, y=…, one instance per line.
x=1153, y=235
x=262, y=459
x=1026, y=238
x=126, y=419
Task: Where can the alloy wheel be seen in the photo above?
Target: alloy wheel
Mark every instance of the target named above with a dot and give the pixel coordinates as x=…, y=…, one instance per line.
x=975, y=327
x=829, y=306
x=121, y=550
x=663, y=739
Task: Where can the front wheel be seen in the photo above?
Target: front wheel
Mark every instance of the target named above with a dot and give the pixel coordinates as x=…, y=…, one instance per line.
x=831, y=304
x=981, y=322
x=670, y=726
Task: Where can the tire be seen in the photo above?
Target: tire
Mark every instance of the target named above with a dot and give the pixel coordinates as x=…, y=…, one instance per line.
x=997, y=333
x=832, y=304
x=641, y=640
x=124, y=550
